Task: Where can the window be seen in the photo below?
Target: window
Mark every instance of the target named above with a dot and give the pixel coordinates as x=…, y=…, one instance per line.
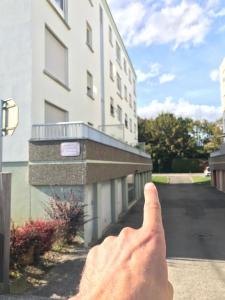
x=135, y=128
x=119, y=85
x=112, y=110
x=134, y=87
x=130, y=100
x=118, y=54
x=126, y=121
x=135, y=108
x=111, y=71
x=89, y=36
x=125, y=92
x=54, y=114
x=129, y=75
x=125, y=65
x=130, y=125
x=90, y=85
x=119, y=113
x=110, y=36
x=56, y=57
x=62, y=5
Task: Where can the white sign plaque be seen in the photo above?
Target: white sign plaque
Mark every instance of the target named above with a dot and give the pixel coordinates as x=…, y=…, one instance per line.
x=70, y=149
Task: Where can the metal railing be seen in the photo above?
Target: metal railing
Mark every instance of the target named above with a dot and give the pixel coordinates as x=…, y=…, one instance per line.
x=79, y=130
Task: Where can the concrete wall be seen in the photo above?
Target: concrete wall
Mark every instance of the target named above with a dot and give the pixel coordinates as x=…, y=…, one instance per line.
x=20, y=193
x=16, y=72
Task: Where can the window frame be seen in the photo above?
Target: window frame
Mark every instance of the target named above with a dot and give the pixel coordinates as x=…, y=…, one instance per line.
x=125, y=92
x=110, y=36
x=126, y=120
x=119, y=84
x=91, y=88
x=46, y=70
x=118, y=54
x=111, y=70
x=125, y=65
x=112, y=107
x=130, y=125
x=89, y=36
x=119, y=114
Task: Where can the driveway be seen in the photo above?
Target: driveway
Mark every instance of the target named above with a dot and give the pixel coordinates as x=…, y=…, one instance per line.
x=194, y=221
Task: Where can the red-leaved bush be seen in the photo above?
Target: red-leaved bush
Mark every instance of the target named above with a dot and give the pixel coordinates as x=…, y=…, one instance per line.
x=40, y=234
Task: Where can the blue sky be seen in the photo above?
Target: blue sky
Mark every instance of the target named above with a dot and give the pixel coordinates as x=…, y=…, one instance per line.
x=176, y=47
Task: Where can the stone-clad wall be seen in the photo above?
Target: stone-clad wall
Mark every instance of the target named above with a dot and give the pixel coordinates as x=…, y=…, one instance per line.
x=96, y=162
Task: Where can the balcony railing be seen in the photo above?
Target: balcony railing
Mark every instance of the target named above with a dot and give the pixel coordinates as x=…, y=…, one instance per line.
x=79, y=130
x=116, y=131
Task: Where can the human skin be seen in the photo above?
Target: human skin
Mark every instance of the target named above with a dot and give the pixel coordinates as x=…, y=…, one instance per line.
x=133, y=265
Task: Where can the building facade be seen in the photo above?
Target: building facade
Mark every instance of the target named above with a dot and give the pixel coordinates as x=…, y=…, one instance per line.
x=66, y=66
x=217, y=159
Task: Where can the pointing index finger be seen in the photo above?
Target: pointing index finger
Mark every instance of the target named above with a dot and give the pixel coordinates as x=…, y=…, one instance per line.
x=152, y=208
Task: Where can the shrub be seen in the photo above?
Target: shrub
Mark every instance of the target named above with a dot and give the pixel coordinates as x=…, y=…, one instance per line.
x=39, y=234
x=69, y=212
x=186, y=165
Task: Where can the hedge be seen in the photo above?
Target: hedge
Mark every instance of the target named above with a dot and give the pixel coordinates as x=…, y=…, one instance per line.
x=188, y=165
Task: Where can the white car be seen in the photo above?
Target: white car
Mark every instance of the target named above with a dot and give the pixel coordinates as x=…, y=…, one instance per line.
x=207, y=171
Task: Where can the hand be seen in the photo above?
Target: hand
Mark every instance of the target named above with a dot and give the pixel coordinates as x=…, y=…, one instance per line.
x=133, y=265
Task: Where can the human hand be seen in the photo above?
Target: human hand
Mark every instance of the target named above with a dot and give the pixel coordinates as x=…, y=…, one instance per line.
x=133, y=265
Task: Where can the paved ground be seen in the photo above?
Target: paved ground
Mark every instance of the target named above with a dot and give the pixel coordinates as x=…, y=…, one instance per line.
x=194, y=220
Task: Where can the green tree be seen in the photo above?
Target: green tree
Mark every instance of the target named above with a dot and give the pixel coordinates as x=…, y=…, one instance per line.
x=168, y=137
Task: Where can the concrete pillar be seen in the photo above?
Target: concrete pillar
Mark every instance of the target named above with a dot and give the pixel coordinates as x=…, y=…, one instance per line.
x=113, y=200
x=125, y=194
x=91, y=212
x=5, y=214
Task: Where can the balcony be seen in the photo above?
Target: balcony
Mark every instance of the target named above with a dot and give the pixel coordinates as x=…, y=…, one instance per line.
x=116, y=131
x=78, y=131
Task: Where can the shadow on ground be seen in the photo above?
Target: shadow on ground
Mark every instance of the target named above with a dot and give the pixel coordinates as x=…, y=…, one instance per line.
x=63, y=281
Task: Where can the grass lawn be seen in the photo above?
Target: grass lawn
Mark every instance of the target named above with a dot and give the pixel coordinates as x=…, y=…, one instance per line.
x=201, y=179
x=160, y=179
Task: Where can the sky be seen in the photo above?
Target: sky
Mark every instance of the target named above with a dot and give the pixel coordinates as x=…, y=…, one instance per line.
x=176, y=47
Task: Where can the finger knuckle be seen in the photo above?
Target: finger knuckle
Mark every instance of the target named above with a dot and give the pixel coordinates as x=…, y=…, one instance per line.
x=127, y=231
x=109, y=240
x=92, y=253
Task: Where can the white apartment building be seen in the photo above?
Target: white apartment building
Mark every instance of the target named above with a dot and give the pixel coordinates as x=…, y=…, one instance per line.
x=66, y=66
x=64, y=60
x=217, y=159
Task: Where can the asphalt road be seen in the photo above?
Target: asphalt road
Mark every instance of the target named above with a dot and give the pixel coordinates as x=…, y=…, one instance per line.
x=194, y=222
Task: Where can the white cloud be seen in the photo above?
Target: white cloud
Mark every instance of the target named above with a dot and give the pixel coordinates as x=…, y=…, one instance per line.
x=153, y=72
x=166, y=78
x=181, y=108
x=214, y=75
x=161, y=22
x=220, y=13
